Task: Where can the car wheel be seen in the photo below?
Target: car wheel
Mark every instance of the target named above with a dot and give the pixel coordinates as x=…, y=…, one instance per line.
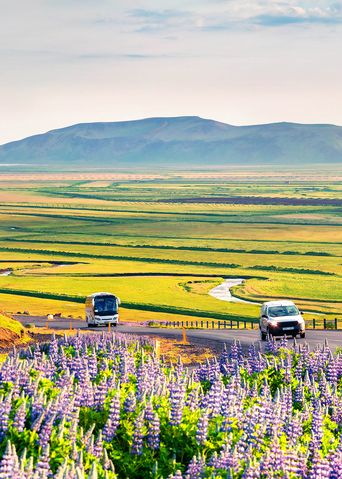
x=263, y=336
x=302, y=335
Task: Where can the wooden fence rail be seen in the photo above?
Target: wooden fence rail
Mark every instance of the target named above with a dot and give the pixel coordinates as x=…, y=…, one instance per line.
x=315, y=323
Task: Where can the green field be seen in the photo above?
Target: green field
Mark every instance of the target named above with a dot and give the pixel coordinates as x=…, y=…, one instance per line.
x=63, y=239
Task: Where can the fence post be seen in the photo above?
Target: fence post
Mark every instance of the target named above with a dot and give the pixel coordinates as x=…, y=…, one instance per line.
x=314, y=323
x=336, y=325
x=219, y=324
x=244, y=325
x=324, y=323
x=207, y=324
x=201, y=324
x=238, y=324
x=213, y=325
x=225, y=324
x=184, y=338
x=197, y=324
x=231, y=324
x=252, y=325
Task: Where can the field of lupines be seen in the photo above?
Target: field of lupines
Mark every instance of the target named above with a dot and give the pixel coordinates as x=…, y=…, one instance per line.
x=105, y=406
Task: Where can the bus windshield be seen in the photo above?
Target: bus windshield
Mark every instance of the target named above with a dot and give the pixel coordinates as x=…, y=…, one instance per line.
x=104, y=305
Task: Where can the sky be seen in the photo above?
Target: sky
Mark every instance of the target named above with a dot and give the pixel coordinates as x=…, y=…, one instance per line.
x=237, y=61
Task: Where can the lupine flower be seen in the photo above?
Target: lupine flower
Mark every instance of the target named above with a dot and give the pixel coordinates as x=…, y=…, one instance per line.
x=196, y=467
x=113, y=419
x=153, y=432
x=259, y=406
x=202, y=428
x=130, y=403
x=138, y=435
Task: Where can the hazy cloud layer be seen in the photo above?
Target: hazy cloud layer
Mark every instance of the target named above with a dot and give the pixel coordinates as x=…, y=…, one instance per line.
x=238, y=61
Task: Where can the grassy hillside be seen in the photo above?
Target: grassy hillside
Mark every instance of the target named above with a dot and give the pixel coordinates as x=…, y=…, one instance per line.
x=11, y=332
x=63, y=240
x=165, y=142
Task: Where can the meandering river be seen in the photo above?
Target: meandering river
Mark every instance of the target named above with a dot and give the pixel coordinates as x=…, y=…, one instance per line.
x=222, y=291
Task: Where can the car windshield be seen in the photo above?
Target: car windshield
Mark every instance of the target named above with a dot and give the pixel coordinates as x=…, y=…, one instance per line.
x=277, y=311
x=105, y=305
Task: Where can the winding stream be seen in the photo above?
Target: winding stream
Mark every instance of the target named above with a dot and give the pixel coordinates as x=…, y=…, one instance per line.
x=222, y=291
x=8, y=272
x=5, y=272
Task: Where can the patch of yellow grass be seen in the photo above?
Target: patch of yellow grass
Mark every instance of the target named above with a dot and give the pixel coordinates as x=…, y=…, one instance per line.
x=172, y=350
x=13, y=304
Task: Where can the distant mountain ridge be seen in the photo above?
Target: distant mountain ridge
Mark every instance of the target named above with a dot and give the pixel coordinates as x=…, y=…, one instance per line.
x=177, y=142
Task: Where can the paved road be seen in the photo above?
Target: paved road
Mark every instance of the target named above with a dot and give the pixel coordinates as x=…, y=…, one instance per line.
x=214, y=338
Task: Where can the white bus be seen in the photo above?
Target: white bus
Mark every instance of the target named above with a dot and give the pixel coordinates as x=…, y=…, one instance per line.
x=102, y=309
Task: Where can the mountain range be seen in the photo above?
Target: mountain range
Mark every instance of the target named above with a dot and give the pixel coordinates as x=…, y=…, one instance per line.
x=177, y=142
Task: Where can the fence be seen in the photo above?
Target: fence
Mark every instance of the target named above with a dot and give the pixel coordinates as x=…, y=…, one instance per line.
x=315, y=323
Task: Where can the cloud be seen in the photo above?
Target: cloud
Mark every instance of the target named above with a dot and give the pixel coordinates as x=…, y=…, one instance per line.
x=234, y=15
x=156, y=20
x=292, y=15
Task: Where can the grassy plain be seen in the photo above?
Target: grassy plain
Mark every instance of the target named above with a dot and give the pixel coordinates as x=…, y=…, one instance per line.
x=64, y=238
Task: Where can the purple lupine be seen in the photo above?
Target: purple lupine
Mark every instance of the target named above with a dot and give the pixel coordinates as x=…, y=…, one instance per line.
x=7, y=462
x=320, y=468
x=130, y=402
x=271, y=345
x=335, y=461
x=5, y=409
x=317, y=425
x=100, y=395
x=42, y=469
x=138, y=436
x=196, y=467
x=98, y=446
x=153, y=432
x=113, y=419
x=202, y=428
x=149, y=414
x=252, y=471
x=177, y=399
x=214, y=398
x=45, y=432
x=192, y=400
x=261, y=417
x=20, y=417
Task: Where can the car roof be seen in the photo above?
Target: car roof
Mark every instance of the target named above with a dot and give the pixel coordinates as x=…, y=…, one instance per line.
x=282, y=302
